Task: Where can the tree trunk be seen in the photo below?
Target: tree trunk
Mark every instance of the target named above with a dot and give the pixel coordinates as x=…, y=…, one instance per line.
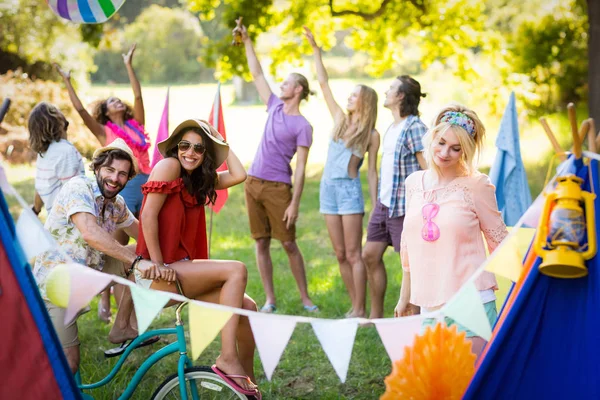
x=594, y=60
x=245, y=92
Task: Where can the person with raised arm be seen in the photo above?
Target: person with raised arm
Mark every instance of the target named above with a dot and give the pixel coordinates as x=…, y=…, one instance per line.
x=271, y=203
x=341, y=197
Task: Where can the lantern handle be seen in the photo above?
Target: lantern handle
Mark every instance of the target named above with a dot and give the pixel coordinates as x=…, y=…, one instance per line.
x=588, y=199
x=573, y=121
x=552, y=138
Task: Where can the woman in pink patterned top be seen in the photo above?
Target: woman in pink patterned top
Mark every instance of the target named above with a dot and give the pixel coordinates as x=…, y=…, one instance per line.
x=111, y=119
x=448, y=206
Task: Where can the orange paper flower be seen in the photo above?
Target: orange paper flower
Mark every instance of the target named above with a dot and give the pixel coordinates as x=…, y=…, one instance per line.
x=439, y=365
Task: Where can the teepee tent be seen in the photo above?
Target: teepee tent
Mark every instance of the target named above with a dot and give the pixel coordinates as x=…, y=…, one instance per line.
x=31, y=360
x=546, y=342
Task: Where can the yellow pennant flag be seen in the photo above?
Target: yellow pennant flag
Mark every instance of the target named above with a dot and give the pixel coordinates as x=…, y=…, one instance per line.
x=205, y=324
x=507, y=261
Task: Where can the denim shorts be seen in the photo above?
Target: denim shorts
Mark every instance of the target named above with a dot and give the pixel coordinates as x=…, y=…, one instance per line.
x=341, y=197
x=132, y=193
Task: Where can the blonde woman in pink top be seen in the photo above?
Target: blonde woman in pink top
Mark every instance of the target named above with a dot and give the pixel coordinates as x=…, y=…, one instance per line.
x=448, y=207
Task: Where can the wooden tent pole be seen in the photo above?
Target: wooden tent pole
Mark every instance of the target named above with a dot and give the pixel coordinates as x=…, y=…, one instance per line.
x=574, y=132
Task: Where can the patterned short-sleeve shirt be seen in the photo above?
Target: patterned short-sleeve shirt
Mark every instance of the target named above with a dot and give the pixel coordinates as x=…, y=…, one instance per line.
x=80, y=194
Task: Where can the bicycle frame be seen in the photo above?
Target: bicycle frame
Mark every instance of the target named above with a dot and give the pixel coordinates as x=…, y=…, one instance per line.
x=179, y=346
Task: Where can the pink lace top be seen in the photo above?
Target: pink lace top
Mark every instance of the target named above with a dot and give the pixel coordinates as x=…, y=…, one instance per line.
x=142, y=156
x=467, y=208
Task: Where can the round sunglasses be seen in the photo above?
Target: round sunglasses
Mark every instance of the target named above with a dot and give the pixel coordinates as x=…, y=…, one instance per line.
x=184, y=146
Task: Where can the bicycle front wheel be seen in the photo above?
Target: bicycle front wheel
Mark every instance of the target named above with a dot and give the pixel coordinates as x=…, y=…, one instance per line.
x=208, y=386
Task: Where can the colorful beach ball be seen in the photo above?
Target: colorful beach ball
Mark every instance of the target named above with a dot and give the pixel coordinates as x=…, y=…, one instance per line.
x=85, y=11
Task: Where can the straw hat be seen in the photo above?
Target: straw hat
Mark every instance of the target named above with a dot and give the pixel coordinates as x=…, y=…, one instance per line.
x=118, y=144
x=220, y=147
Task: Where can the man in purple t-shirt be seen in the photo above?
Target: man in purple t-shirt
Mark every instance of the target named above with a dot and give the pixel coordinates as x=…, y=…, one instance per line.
x=272, y=207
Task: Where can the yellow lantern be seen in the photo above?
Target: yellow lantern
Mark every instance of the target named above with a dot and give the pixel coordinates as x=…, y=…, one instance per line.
x=560, y=248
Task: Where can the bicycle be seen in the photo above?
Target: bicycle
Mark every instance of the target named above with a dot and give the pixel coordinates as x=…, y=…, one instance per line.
x=190, y=382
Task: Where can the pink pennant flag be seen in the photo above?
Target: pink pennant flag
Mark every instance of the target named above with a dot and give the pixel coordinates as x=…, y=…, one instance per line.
x=217, y=120
x=337, y=340
x=163, y=131
x=271, y=334
x=85, y=283
x=399, y=334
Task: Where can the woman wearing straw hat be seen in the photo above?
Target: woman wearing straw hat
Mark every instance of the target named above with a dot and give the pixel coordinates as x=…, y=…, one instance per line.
x=173, y=234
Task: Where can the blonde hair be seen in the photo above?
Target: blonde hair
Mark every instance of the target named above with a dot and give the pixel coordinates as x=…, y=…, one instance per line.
x=358, y=138
x=471, y=145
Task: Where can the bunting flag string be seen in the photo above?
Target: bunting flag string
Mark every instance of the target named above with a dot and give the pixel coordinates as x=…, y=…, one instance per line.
x=33, y=237
x=273, y=332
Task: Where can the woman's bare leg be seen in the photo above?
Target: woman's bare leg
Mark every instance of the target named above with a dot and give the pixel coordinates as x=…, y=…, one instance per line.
x=352, y=229
x=199, y=278
x=336, y=234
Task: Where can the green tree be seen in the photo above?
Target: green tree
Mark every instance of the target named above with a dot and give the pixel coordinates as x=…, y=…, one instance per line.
x=169, y=45
x=30, y=33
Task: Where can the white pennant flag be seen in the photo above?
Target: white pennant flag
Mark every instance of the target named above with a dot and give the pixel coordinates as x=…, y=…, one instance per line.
x=399, y=334
x=271, y=334
x=4, y=185
x=467, y=309
x=34, y=239
x=337, y=339
x=147, y=304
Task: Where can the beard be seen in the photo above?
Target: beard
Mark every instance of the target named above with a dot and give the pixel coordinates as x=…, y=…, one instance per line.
x=108, y=193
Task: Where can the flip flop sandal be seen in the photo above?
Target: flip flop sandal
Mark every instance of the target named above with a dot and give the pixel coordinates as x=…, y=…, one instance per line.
x=117, y=351
x=268, y=309
x=228, y=378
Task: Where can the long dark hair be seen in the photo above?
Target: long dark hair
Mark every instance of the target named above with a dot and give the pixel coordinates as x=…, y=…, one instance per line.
x=202, y=181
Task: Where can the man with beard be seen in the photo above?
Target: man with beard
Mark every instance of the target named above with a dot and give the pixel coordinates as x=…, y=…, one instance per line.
x=84, y=217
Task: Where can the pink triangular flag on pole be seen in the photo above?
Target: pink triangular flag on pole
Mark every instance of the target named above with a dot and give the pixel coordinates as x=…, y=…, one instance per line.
x=219, y=124
x=399, y=334
x=85, y=283
x=271, y=334
x=163, y=131
x=337, y=340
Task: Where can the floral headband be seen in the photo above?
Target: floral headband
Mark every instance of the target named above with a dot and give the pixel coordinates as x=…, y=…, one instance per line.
x=460, y=119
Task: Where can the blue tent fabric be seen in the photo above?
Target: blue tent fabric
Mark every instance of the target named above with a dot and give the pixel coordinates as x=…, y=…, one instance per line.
x=19, y=267
x=548, y=347
x=508, y=172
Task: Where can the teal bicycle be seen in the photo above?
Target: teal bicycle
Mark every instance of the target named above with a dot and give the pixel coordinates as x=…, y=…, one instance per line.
x=190, y=382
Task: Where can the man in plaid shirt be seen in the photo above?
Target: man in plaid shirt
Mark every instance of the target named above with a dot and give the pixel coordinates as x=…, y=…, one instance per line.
x=402, y=155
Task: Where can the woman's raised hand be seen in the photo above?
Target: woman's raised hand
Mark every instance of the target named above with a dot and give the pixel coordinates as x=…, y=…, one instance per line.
x=127, y=57
x=310, y=37
x=65, y=74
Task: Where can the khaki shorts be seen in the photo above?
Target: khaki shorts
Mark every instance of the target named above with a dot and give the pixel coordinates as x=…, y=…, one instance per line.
x=266, y=202
x=67, y=334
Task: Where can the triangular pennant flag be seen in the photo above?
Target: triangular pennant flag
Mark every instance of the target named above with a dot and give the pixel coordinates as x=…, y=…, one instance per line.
x=163, y=131
x=85, y=12
x=337, y=339
x=507, y=260
x=4, y=185
x=467, y=309
x=85, y=283
x=271, y=334
x=396, y=335
x=147, y=304
x=34, y=239
x=531, y=217
x=216, y=119
x=205, y=325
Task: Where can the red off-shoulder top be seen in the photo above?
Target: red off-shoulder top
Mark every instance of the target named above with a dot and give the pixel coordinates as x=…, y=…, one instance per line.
x=181, y=223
